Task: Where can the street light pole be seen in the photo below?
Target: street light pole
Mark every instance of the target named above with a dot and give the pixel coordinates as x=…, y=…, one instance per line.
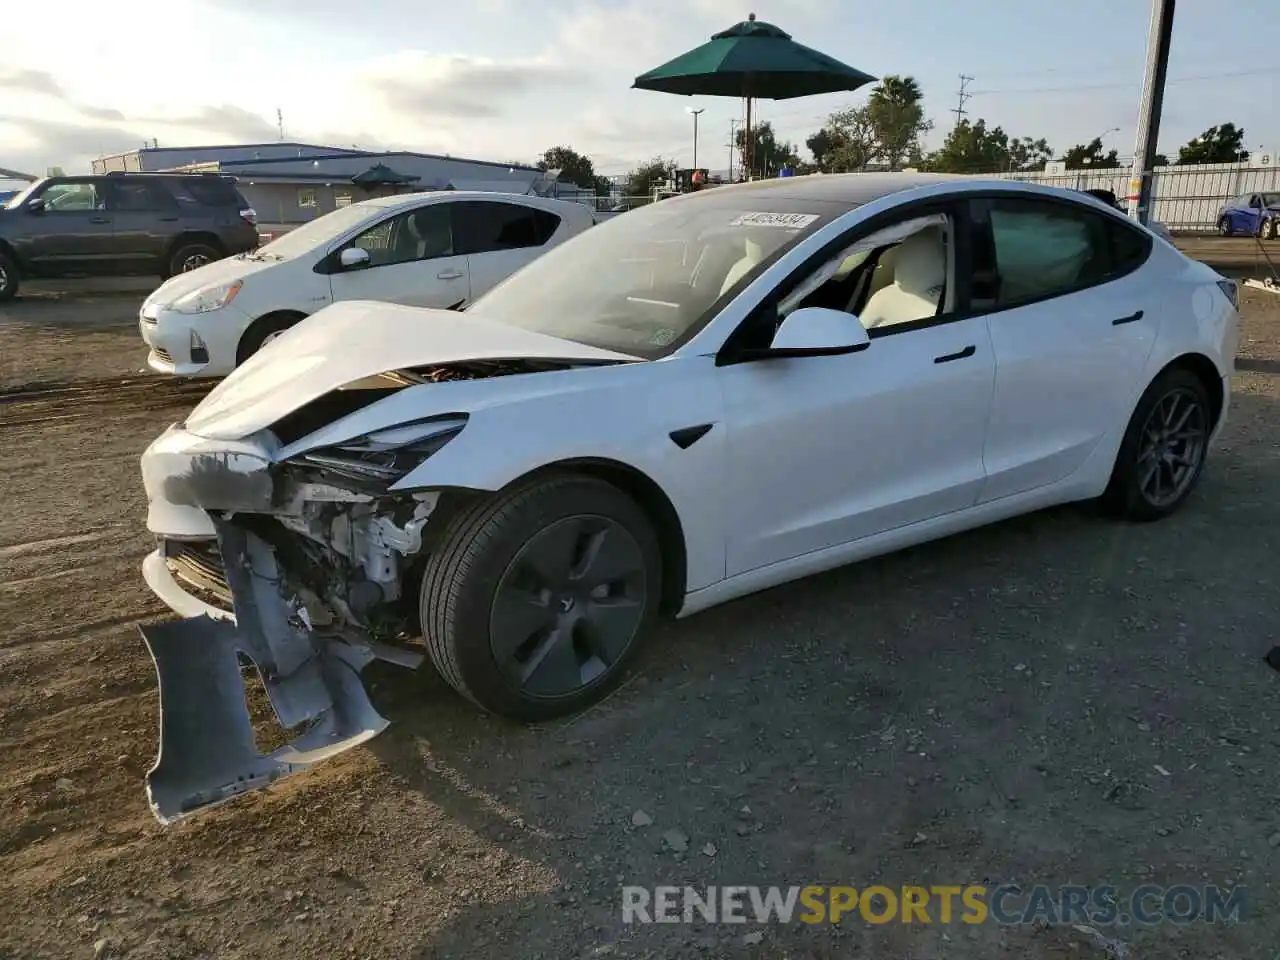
x=1158, y=41
x=694, y=113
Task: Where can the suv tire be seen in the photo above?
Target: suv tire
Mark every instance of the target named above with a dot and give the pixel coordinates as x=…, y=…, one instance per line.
x=8, y=277
x=191, y=256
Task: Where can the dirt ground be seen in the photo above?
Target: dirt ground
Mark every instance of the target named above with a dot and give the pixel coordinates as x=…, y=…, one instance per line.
x=1057, y=699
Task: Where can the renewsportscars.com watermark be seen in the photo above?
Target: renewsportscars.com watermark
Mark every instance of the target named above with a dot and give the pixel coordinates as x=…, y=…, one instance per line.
x=1006, y=904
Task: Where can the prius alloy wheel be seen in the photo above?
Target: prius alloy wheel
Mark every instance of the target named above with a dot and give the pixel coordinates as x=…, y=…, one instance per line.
x=535, y=600
x=1164, y=449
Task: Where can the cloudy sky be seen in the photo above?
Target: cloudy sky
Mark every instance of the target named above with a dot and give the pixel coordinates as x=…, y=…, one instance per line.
x=505, y=79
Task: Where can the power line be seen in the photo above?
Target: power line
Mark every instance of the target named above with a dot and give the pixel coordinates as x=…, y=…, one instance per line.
x=1266, y=71
x=964, y=95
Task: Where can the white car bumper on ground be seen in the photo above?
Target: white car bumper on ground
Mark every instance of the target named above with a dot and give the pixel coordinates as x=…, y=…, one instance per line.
x=191, y=344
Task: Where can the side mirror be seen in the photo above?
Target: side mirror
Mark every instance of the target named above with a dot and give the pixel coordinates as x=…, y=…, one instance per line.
x=354, y=258
x=819, y=332
x=36, y=205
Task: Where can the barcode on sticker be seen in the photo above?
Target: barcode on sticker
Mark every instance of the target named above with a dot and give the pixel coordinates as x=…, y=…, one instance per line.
x=792, y=220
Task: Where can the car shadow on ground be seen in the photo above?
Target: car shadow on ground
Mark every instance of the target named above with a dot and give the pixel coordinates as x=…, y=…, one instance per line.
x=1055, y=699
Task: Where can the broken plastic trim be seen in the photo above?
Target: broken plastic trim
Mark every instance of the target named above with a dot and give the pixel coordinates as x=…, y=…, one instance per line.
x=207, y=750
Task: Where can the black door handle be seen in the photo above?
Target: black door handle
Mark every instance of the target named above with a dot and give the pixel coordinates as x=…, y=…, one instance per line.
x=1121, y=321
x=99, y=219
x=968, y=351
x=167, y=219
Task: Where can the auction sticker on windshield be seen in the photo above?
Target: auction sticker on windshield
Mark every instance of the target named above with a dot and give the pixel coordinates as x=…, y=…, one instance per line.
x=793, y=221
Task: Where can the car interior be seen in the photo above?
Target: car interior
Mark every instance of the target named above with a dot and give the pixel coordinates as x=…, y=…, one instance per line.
x=896, y=275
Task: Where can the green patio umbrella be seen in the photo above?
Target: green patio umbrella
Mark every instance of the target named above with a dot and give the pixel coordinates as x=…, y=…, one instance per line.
x=752, y=60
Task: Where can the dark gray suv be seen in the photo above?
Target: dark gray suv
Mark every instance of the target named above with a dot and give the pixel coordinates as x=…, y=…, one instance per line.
x=122, y=224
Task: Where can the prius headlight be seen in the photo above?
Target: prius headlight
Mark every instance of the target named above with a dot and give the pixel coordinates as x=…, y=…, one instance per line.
x=207, y=299
x=384, y=456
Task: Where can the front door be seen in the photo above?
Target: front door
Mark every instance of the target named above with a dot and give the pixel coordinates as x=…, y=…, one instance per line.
x=412, y=261
x=72, y=233
x=828, y=450
x=1072, y=322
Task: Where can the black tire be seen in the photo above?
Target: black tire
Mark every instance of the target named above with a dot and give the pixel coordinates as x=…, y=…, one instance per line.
x=262, y=329
x=1126, y=496
x=9, y=277
x=1224, y=226
x=191, y=256
x=1268, y=229
x=476, y=555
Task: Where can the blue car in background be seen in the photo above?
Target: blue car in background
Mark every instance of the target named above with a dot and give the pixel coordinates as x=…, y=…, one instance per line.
x=1251, y=215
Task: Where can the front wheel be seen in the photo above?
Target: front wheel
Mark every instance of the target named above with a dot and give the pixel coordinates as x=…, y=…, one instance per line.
x=1267, y=230
x=1164, y=448
x=535, y=600
x=8, y=277
x=262, y=331
x=1224, y=226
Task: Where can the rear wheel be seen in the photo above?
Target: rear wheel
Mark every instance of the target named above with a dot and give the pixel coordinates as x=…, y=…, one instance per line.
x=1164, y=448
x=535, y=600
x=8, y=277
x=191, y=256
x=262, y=331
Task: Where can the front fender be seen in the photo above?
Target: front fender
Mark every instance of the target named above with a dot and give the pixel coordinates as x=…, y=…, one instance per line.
x=629, y=422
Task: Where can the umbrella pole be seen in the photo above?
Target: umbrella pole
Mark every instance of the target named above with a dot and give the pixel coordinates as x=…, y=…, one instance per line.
x=747, y=144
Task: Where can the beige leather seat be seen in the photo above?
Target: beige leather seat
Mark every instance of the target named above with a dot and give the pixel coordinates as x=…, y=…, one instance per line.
x=919, y=278
x=754, y=253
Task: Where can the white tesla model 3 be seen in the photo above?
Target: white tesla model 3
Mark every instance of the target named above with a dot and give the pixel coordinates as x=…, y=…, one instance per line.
x=694, y=401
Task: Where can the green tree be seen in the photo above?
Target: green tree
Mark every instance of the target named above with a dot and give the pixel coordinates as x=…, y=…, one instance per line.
x=1090, y=155
x=895, y=110
x=1028, y=154
x=1219, y=144
x=651, y=173
x=847, y=142
x=574, y=168
x=768, y=154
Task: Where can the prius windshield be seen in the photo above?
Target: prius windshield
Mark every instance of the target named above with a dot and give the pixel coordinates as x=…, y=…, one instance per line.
x=646, y=281
x=317, y=232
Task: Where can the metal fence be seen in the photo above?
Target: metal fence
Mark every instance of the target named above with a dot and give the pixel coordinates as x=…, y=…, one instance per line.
x=1188, y=199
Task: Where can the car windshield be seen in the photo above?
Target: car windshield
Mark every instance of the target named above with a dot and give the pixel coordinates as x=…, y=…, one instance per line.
x=645, y=282
x=20, y=198
x=316, y=232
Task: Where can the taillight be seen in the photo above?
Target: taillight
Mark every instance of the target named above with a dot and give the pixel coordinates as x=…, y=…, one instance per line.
x=1232, y=292
x=249, y=216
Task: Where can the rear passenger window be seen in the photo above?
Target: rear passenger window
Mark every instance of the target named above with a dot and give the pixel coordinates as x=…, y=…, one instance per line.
x=213, y=192
x=1129, y=249
x=481, y=226
x=1047, y=249
x=139, y=196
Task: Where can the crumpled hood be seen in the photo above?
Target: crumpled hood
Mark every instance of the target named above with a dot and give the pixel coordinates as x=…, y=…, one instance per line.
x=355, y=339
x=220, y=271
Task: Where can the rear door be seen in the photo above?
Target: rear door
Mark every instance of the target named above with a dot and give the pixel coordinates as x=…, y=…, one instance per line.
x=72, y=234
x=412, y=260
x=499, y=237
x=144, y=218
x=1073, y=319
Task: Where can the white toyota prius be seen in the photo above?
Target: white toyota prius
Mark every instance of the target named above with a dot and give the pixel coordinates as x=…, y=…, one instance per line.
x=433, y=249
x=694, y=401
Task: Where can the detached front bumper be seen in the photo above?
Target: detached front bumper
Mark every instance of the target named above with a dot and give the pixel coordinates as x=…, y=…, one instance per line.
x=207, y=753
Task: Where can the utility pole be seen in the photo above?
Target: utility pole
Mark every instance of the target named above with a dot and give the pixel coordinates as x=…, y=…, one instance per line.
x=733, y=146
x=1144, y=158
x=964, y=95
x=694, y=113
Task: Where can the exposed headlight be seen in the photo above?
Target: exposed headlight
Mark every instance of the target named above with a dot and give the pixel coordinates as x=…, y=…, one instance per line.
x=207, y=299
x=384, y=456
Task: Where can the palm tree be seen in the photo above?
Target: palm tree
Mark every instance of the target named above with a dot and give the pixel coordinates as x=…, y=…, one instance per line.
x=896, y=109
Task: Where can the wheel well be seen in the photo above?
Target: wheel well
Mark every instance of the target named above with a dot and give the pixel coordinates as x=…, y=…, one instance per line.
x=208, y=239
x=657, y=507
x=294, y=315
x=12, y=253
x=1207, y=373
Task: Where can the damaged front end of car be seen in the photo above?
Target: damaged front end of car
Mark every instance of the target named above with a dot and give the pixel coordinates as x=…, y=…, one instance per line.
x=317, y=551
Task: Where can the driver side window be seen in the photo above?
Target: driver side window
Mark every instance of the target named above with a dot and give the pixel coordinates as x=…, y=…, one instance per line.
x=897, y=275
x=422, y=234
